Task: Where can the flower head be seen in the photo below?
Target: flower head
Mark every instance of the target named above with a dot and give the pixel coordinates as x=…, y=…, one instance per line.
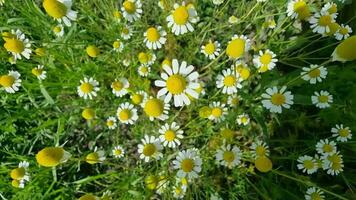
x=10, y=82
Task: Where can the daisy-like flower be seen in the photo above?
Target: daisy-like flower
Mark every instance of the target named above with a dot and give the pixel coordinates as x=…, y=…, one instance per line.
x=188, y=163
x=259, y=149
x=119, y=87
x=178, y=192
x=343, y=32
x=11, y=82
x=144, y=70
x=341, y=133
x=20, y=174
x=314, y=193
x=218, y=111
x=88, y=88
x=126, y=32
x=233, y=100
x=181, y=19
x=150, y=148
x=233, y=19
x=298, y=9
x=265, y=60
x=146, y=58
x=60, y=10
x=274, y=100
x=229, y=81
x=242, y=69
x=132, y=10
x=320, y=22
x=307, y=164
x=52, y=156
x=126, y=113
x=326, y=147
x=155, y=108
x=117, y=45
x=229, y=157
x=98, y=156
x=243, y=119
x=322, y=99
x=211, y=49
x=218, y=2
x=39, y=72
x=118, y=152
x=178, y=82
x=58, y=30
x=330, y=7
x=154, y=37
x=170, y=135
x=333, y=163
x=111, y=122
x=314, y=73
x=17, y=44
x=237, y=47
x=138, y=97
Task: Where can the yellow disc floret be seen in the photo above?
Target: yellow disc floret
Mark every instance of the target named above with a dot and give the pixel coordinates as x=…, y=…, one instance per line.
x=93, y=51
x=181, y=15
x=14, y=45
x=18, y=173
x=152, y=34
x=129, y=6
x=187, y=165
x=263, y=164
x=88, y=114
x=54, y=8
x=154, y=107
x=278, y=99
x=176, y=84
x=236, y=48
x=149, y=149
x=50, y=156
x=7, y=80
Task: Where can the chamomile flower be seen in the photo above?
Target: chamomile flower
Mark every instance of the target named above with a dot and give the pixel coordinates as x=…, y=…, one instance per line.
x=88, y=88
x=39, y=72
x=52, y=156
x=243, y=119
x=233, y=100
x=265, y=60
x=218, y=111
x=111, y=122
x=10, y=82
x=120, y=86
x=154, y=37
x=211, y=49
x=170, y=135
x=98, y=156
x=314, y=193
x=322, y=99
x=314, y=73
x=330, y=7
x=320, y=22
x=155, y=108
x=229, y=81
x=343, y=32
x=333, y=163
x=58, y=30
x=117, y=45
x=88, y=114
x=274, y=100
x=126, y=32
x=126, y=113
x=259, y=149
x=307, y=164
x=188, y=163
x=298, y=9
x=132, y=10
x=60, y=10
x=17, y=44
x=20, y=174
x=178, y=192
x=144, y=70
x=146, y=58
x=138, y=97
x=150, y=148
x=242, y=69
x=341, y=133
x=326, y=147
x=181, y=19
x=178, y=82
x=237, y=47
x=118, y=152
x=228, y=156
x=218, y=2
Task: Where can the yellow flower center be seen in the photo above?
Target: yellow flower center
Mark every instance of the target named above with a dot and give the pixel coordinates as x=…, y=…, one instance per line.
x=278, y=99
x=117, y=14
x=260, y=151
x=176, y=84
x=244, y=72
x=315, y=196
x=36, y=71
x=344, y=31
x=154, y=107
x=15, y=183
x=236, y=48
x=333, y=9
x=117, y=152
x=314, y=73
x=125, y=31
x=18, y=173
x=263, y=164
x=55, y=8
x=333, y=28
x=50, y=156
x=110, y=123
x=169, y=135
x=93, y=51
x=88, y=113
x=187, y=165
x=116, y=44
x=166, y=62
x=143, y=57
x=57, y=29
x=229, y=80
x=144, y=69
x=152, y=34
x=7, y=80
x=14, y=45
x=266, y=58
x=323, y=99
x=229, y=156
x=7, y=35
x=302, y=9
x=129, y=6
x=308, y=164
x=263, y=68
x=181, y=15
x=327, y=148
x=125, y=114
x=325, y=20
x=344, y=132
x=151, y=182
x=137, y=98
x=244, y=120
x=149, y=149
x=205, y=112
x=209, y=48
x=92, y=158
x=216, y=112
x=86, y=88
x=117, y=85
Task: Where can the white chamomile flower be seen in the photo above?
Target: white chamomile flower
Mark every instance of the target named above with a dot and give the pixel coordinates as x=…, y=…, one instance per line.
x=178, y=192
x=330, y=7
x=146, y=58
x=60, y=10
x=265, y=60
x=307, y=164
x=119, y=87
x=218, y=111
x=98, y=156
x=58, y=30
x=17, y=44
x=320, y=22
x=170, y=135
x=298, y=9
x=218, y=2
x=117, y=45
x=154, y=37
x=233, y=100
x=211, y=49
x=322, y=99
x=343, y=32
x=132, y=10
x=333, y=163
x=341, y=133
x=243, y=119
x=111, y=122
x=314, y=73
x=229, y=81
x=20, y=174
x=118, y=152
x=188, y=163
x=314, y=193
x=39, y=72
x=150, y=148
x=88, y=88
x=274, y=100
x=326, y=147
x=144, y=70
x=259, y=149
x=237, y=47
x=126, y=62
x=126, y=113
x=126, y=32
x=10, y=82
x=181, y=19
x=178, y=82
x=229, y=157
x=155, y=108
x=241, y=68
x=138, y=97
